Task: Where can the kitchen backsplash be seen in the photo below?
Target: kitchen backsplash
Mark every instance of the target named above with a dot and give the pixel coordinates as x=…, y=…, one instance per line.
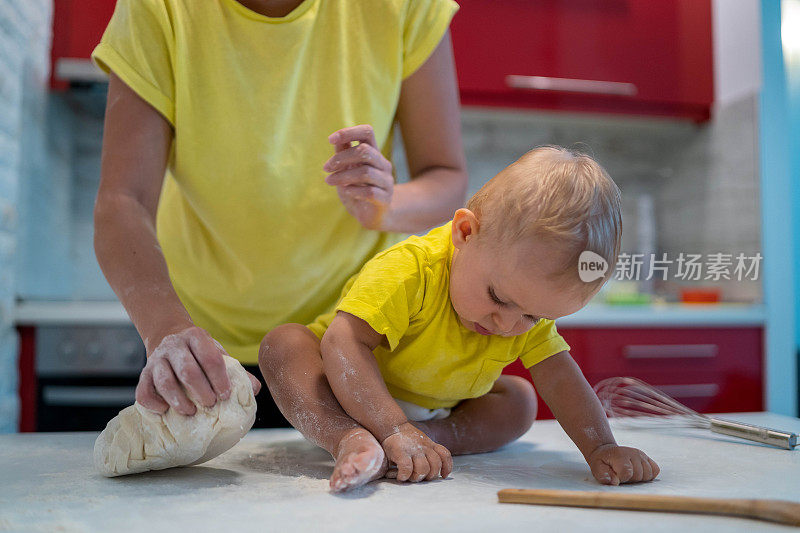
x=57, y=203
x=701, y=179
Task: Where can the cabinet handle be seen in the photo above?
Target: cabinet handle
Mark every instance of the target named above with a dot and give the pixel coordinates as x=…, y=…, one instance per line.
x=570, y=85
x=77, y=69
x=696, y=390
x=88, y=396
x=660, y=351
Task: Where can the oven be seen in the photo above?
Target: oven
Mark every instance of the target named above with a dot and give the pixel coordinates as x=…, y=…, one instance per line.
x=83, y=375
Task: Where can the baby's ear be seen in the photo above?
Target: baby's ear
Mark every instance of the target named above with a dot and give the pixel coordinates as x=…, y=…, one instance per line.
x=465, y=227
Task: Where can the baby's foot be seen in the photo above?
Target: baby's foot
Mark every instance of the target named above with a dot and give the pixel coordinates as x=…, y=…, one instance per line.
x=359, y=460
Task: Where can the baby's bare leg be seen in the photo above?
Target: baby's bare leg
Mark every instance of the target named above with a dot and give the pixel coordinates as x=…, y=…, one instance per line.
x=290, y=361
x=484, y=424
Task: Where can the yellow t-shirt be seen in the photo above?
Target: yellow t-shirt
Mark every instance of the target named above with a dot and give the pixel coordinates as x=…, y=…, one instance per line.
x=429, y=358
x=252, y=235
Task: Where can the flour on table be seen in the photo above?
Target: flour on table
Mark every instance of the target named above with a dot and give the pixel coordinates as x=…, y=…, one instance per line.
x=138, y=440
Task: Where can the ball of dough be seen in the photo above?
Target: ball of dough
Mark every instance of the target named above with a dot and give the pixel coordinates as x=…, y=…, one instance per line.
x=138, y=440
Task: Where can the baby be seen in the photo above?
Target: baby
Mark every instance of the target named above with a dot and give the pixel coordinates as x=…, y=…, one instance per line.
x=407, y=368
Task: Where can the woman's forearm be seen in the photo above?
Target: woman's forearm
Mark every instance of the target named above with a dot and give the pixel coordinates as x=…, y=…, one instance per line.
x=426, y=201
x=128, y=253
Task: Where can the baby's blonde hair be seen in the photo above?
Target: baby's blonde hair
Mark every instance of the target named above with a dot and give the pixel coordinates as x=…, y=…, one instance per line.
x=556, y=195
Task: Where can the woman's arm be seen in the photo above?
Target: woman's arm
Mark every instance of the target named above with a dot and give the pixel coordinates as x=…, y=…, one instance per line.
x=429, y=118
x=428, y=114
x=136, y=146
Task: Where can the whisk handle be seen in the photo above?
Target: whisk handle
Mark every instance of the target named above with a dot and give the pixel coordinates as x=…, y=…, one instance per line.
x=773, y=437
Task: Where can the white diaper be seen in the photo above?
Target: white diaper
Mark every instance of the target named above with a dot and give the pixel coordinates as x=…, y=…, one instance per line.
x=417, y=413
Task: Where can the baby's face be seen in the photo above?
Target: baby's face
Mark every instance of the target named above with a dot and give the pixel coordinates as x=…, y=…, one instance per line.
x=505, y=292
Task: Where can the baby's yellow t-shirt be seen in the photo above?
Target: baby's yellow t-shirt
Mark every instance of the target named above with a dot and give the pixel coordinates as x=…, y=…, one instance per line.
x=429, y=358
x=252, y=235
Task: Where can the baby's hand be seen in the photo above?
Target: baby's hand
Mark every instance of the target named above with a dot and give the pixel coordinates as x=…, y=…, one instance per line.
x=612, y=465
x=417, y=457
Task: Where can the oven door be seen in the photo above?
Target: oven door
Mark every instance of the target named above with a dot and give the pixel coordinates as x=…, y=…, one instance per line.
x=85, y=375
x=81, y=404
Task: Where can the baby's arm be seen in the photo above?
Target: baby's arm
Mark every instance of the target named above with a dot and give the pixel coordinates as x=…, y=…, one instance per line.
x=562, y=386
x=356, y=381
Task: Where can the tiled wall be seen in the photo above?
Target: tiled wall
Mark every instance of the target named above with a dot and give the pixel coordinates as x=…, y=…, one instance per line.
x=60, y=263
x=703, y=179
x=24, y=68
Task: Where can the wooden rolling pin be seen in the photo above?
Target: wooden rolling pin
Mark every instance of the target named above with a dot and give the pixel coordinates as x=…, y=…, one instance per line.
x=771, y=510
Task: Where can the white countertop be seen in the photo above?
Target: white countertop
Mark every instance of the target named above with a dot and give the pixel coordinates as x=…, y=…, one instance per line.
x=593, y=315
x=42, y=313
x=667, y=315
x=275, y=481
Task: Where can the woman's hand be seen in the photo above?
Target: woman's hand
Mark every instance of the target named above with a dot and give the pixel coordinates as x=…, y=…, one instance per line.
x=189, y=361
x=362, y=176
x=613, y=465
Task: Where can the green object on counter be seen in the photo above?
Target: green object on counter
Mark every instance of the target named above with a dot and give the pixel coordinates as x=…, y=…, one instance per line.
x=633, y=298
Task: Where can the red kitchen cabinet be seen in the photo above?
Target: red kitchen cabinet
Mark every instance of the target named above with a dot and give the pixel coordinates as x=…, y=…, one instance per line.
x=708, y=369
x=627, y=56
x=27, y=379
x=77, y=28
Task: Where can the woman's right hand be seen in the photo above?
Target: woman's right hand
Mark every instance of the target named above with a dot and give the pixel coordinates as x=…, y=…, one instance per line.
x=187, y=361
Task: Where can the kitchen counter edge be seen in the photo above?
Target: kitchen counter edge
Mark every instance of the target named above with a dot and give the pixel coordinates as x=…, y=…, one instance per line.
x=43, y=313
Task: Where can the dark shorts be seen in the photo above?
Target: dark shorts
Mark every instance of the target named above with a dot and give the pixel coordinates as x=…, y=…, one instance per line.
x=267, y=415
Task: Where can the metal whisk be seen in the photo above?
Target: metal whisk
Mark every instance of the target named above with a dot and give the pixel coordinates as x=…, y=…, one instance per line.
x=636, y=404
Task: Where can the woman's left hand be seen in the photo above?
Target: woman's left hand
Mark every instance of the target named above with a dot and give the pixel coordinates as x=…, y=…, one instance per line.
x=362, y=176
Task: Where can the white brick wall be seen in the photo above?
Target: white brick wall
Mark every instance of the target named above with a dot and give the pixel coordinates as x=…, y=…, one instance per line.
x=703, y=178
x=24, y=67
